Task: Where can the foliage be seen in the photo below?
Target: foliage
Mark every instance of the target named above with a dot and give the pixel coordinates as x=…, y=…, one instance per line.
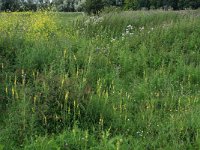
x=95, y=6
x=120, y=80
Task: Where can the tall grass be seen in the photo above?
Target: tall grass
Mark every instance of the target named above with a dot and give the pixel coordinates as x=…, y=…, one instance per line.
x=126, y=80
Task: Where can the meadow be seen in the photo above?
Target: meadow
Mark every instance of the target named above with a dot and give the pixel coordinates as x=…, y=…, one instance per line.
x=117, y=81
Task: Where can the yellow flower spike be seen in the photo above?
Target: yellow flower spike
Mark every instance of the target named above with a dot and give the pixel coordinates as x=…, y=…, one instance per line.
x=62, y=82
x=75, y=58
x=57, y=117
x=23, y=81
x=179, y=102
x=15, y=82
x=189, y=76
x=157, y=94
x=118, y=145
x=86, y=134
x=45, y=120
x=69, y=110
x=101, y=121
x=99, y=86
x=2, y=66
x=34, y=99
x=125, y=108
x=6, y=90
x=84, y=80
x=126, y=117
x=13, y=91
x=79, y=113
x=65, y=52
x=74, y=132
x=22, y=71
x=114, y=108
x=17, y=96
x=66, y=96
x=189, y=100
x=33, y=73
x=89, y=59
x=195, y=99
x=106, y=94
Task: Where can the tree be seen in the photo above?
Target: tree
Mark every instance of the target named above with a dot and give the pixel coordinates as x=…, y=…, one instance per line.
x=194, y=4
x=0, y=5
x=131, y=4
x=79, y=5
x=94, y=6
x=173, y=4
x=11, y=5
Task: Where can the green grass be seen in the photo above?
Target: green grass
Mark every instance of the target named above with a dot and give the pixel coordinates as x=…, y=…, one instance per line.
x=124, y=80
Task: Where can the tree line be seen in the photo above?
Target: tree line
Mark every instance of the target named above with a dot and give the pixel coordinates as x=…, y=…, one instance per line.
x=94, y=6
x=155, y=4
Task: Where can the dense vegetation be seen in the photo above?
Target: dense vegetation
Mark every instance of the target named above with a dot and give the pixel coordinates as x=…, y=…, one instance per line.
x=95, y=5
x=124, y=80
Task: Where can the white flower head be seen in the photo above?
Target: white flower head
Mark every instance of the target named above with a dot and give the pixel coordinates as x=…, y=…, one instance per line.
x=141, y=28
x=113, y=39
x=127, y=32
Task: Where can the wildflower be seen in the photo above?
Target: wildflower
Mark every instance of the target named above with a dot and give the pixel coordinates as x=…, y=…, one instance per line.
x=131, y=33
x=141, y=28
x=120, y=140
x=130, y=27
x=139, y=133
x=118, y=68
x=23, y=75
x=112, y=40
x=87, y=22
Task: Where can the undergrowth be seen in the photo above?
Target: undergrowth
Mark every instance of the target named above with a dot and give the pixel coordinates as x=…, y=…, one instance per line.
x=123, y=80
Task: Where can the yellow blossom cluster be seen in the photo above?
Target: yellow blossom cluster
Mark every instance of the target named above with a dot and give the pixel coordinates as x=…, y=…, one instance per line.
x=29, y=26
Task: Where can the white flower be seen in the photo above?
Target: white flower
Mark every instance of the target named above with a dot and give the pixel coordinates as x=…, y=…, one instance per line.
x=130, y=27
x=112, y=40
x=141, y=28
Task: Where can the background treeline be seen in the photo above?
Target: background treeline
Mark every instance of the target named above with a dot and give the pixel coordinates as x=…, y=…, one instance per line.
x=95, y=5
x=164, y=4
